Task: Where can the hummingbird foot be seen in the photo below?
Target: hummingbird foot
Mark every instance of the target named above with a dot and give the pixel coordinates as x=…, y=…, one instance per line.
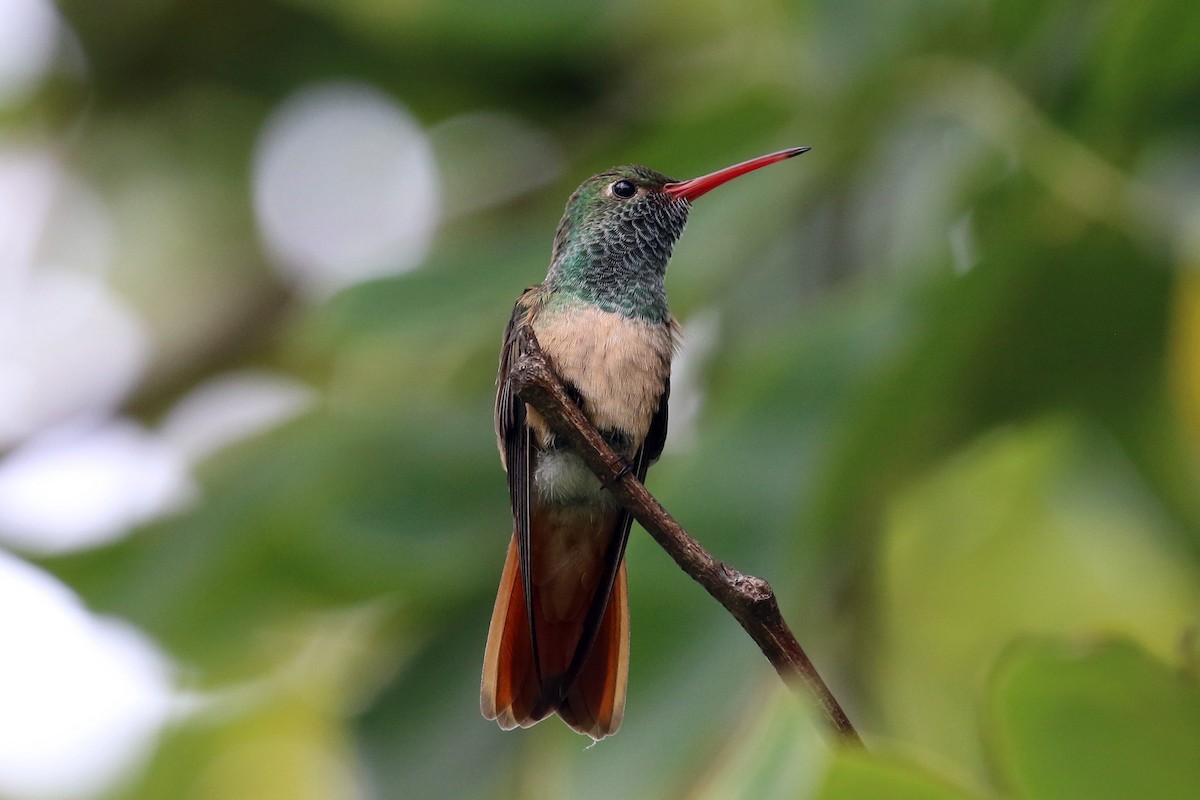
x=626, y=469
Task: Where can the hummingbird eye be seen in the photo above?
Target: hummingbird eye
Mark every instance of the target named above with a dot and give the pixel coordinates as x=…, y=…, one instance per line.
x=624, y=189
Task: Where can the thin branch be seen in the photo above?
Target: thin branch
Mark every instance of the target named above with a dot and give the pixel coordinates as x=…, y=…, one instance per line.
x=749, y=599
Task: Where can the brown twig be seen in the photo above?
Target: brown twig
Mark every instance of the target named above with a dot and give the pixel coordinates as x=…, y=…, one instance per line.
x=749, y=599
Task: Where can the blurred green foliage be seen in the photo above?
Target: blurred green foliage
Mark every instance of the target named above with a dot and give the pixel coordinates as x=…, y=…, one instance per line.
x=953, y=399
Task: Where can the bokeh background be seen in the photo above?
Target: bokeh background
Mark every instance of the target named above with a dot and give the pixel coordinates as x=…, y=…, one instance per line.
x=940, y=386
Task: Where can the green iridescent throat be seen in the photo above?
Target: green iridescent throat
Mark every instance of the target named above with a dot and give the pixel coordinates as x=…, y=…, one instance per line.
x=632, y=291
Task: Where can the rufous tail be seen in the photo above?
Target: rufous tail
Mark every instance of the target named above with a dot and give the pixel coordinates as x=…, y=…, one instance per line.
x=521, y=687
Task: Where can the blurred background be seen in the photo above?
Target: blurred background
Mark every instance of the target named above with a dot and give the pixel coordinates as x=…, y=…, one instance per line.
x=940, y=386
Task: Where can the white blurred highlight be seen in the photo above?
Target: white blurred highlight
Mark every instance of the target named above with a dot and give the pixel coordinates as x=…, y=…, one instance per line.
x=68, y=345
x=232, y=407
x=81, y=486
x=345, y=187
x=29, y=32
x=29, y=180
x=82, y=697
x=84, y=485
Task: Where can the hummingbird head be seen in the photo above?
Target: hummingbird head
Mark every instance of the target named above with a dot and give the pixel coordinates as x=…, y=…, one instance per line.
x=614, y=241
x=619, y=228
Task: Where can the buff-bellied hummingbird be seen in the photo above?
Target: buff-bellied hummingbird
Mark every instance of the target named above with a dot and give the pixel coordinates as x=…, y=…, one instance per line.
x=559, y=636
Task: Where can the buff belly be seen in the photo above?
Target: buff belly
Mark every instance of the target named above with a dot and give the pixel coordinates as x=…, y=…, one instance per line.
x=617, y=364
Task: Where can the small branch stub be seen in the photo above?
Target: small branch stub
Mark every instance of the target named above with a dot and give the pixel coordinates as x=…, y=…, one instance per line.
x=749, y=599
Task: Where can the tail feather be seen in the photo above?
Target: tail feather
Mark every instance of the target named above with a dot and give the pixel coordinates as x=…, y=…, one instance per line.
x=512, y=692
x=509, y=690
x=595, y=703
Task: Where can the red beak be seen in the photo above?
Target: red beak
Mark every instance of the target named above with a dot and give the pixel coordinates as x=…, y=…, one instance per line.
x=690, y=190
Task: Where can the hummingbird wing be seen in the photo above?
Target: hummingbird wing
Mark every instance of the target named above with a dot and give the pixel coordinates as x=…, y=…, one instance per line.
x=511, y=678
x=514, y=437
x=656, y=437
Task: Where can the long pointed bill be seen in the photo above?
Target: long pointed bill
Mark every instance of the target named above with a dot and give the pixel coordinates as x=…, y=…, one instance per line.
x=690, y=190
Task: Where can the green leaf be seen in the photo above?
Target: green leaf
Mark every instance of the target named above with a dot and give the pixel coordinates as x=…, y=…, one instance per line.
x=855, y=775
x=1040, y=528
x=1109, y=722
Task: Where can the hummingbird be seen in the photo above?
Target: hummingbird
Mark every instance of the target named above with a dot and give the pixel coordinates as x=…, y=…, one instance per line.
x=559, y=635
